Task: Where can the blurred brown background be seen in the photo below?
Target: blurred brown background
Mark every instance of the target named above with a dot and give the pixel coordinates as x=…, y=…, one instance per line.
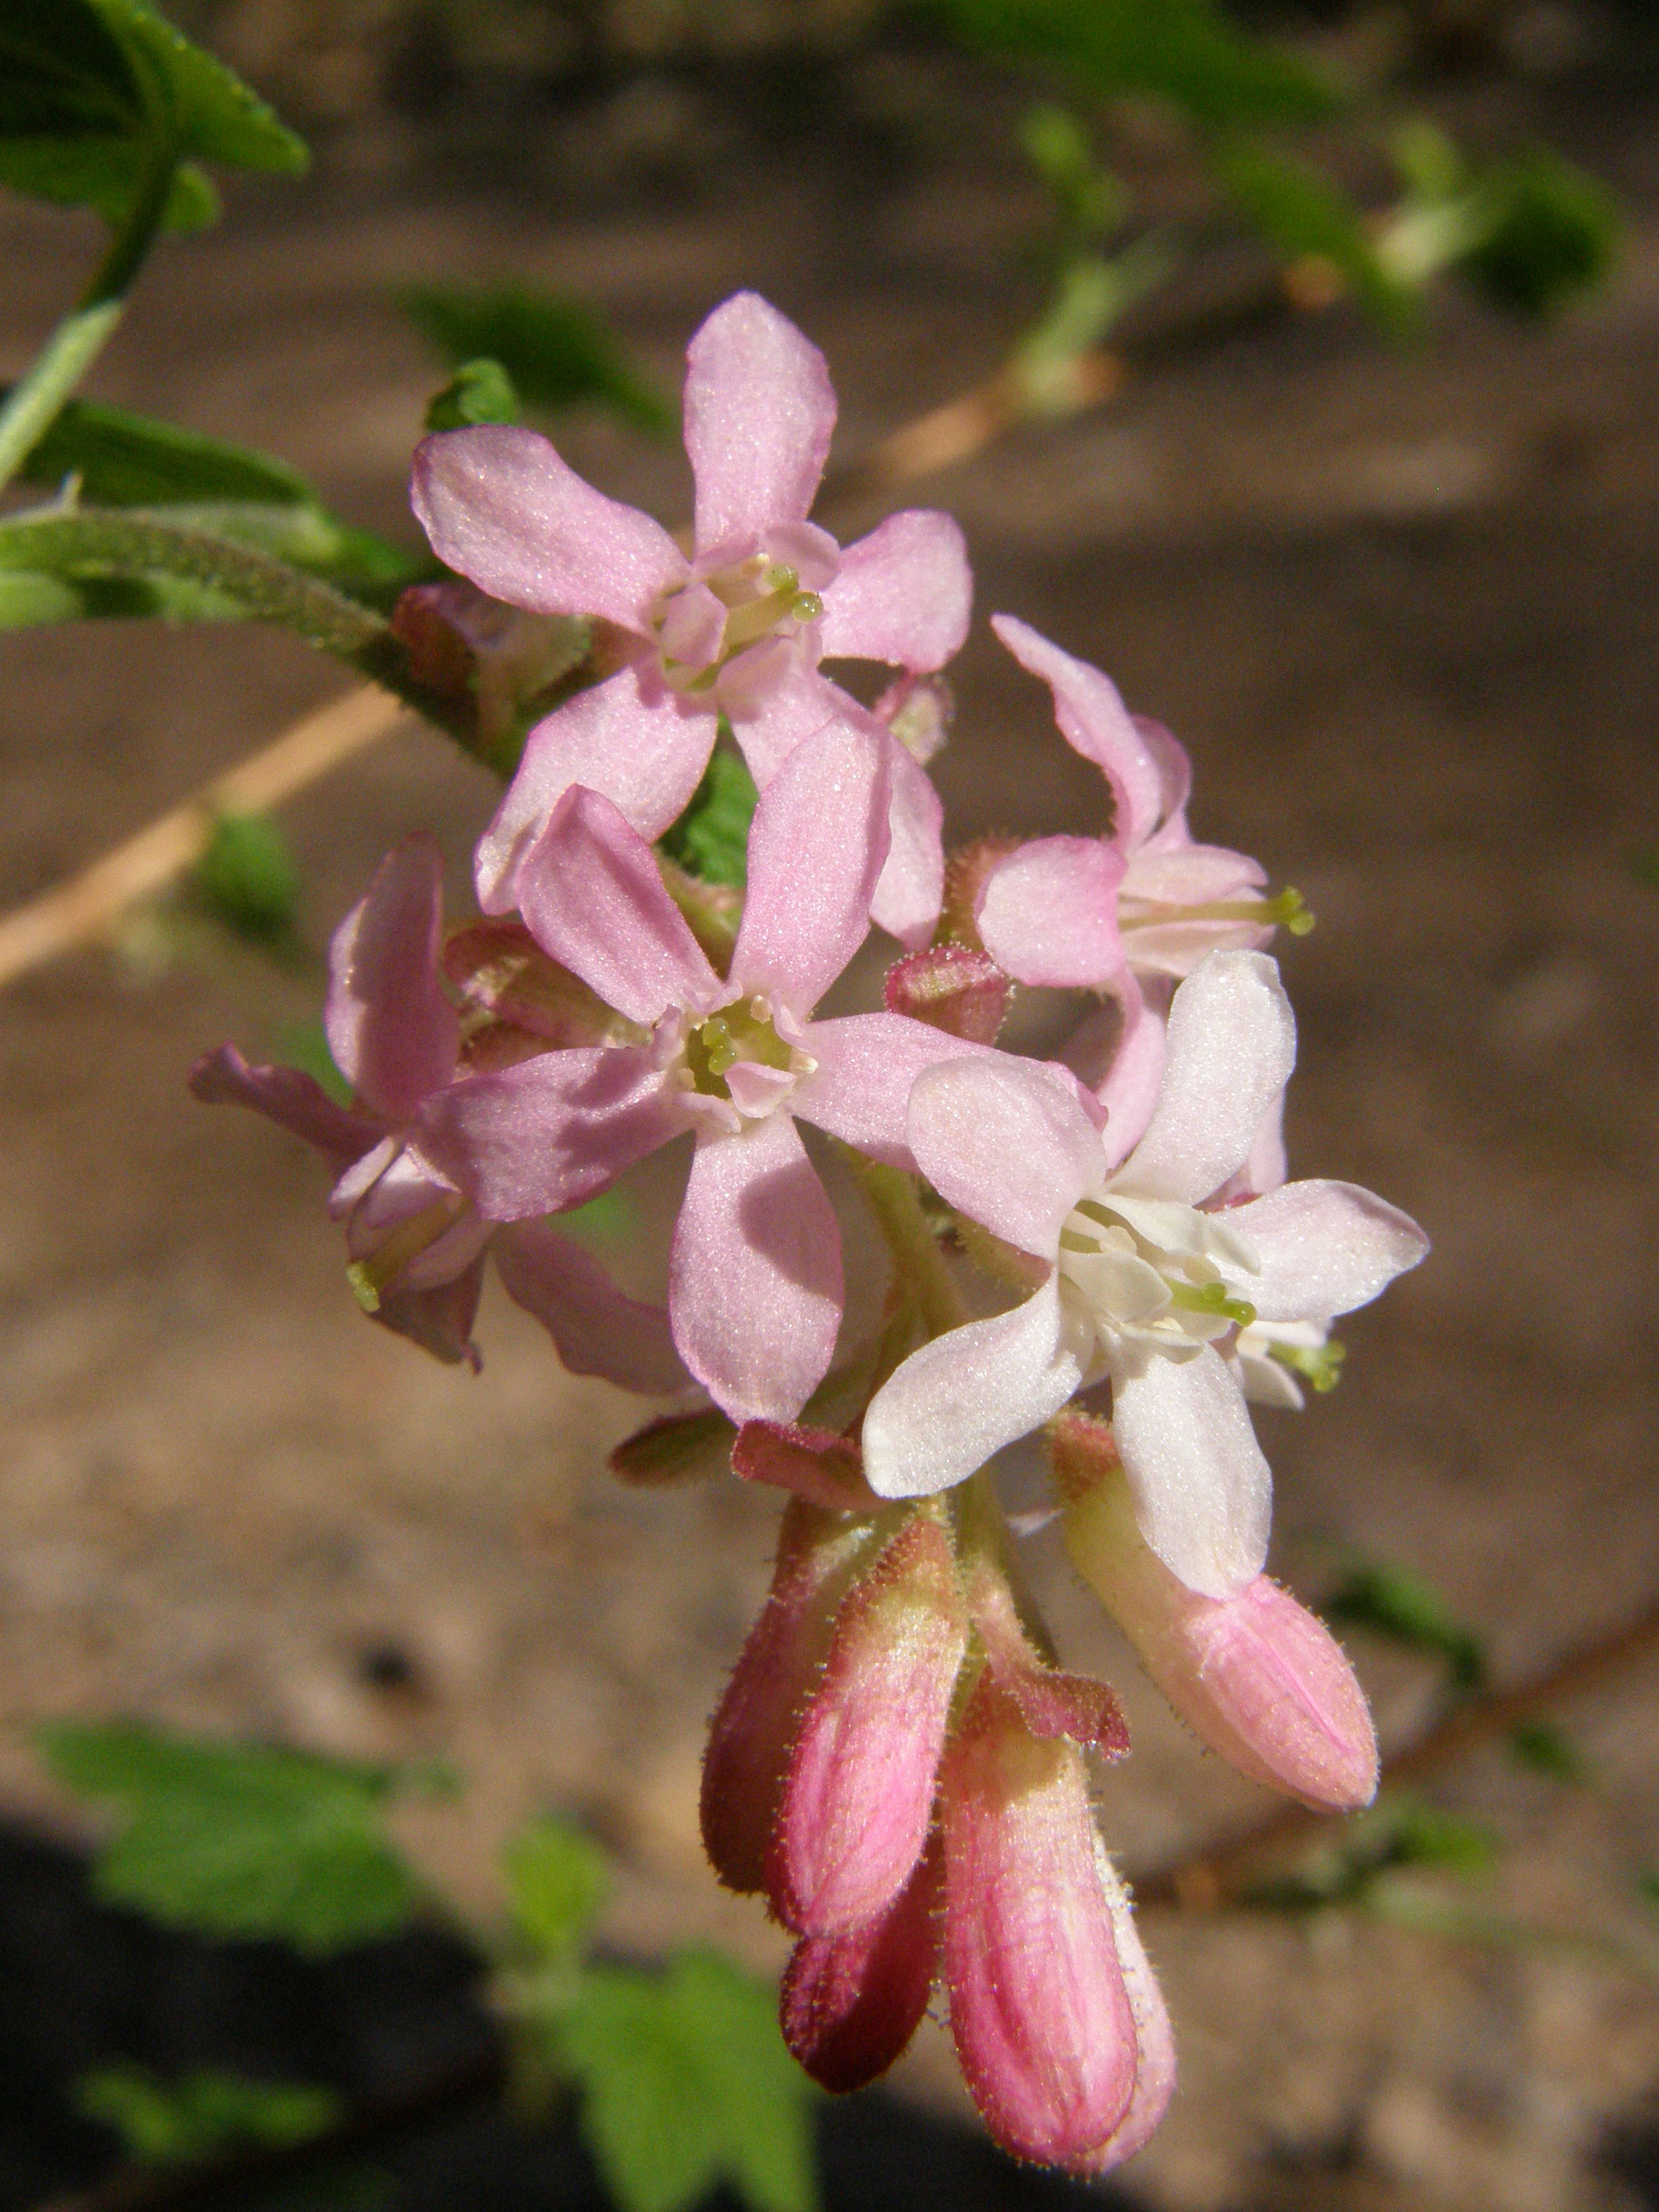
x=1401, y=606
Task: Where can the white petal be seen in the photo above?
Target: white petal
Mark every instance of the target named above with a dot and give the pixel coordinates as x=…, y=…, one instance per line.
x=1230, y=1048
x=1007, y=1142
x=1202, y=1492
x=1325, y=1249
x=952, y=1405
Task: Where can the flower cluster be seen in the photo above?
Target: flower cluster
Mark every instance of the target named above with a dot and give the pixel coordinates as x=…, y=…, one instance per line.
x=1101, y=1249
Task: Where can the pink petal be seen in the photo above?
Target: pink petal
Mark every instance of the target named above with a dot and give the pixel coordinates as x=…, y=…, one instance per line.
x=503, y=509
x=794, y=707
x=950, y=987
x=903, y=594
x=393, y=1034
x=912, y=886
x=754, y=1725
x=1048, y=912
x=439, y=1318
x=1230, y=1047
x=1094, y=722
x=1325, y=1248
x=858, y=1794
x=631, y=737
x=850, y=2004
x=1203, y=1493
x=816, y=849
x=755, y=1287
x=1118, y=1051
x=1008, y=1143
x=495, y=963
x=960, y=1399
x=1175, y=775
x=552, y=1132
x=294, y=1101
x=595, y=1327
x=593, y=896
x=820, y=1465
x=867, y=1065
x=1041, y=2019
x=1154, y=2051
x=759, y=412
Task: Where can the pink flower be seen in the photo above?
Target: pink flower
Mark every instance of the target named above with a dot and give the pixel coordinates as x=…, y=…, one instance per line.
x=1124, y=914
x=415, y=1243
x=738, y=628
x=754, y=1295
x=1135, y=1282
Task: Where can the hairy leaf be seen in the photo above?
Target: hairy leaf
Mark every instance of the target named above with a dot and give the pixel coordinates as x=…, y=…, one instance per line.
x=556, y=354
x=240, y=1840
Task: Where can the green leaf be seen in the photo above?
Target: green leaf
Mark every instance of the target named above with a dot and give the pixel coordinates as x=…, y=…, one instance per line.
x=1546, y=1750
x=248, y=879
x=556, y=1880
x=710, y=841
x=686, y=2082
x=1185, y=51
x=1397, y=1604
x=1647, y=1886
x=202, y=2114
x=89, y=87
x=479, y=391
x=1550, y=235
x=240, y=1840
x=125, y=459
x=556, y=354
x=1399, y=1831
x=1303, y=213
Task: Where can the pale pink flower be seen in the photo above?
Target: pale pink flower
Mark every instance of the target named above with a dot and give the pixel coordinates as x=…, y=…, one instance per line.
x=416, y=1245
x=737, y=627
x=755, y=1293
x=1134, y=1281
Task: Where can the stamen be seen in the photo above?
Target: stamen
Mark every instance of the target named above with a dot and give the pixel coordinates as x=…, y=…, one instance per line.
x=758, y=618
x=1210, y=1299
x=368, y=1278
x=807, y=607
x=1318, y=1364
x=1287, y=910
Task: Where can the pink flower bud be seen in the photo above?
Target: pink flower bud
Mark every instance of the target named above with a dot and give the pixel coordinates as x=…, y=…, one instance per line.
x=1260, y=1679
x=461, y=643
x=1155, y=2068
x=498, y=968
x=1042, y=2014
x=753, y=1728
x=859, y=1791
x=820, y=1465
x=850, y=2004
x=952, y=987
x=1050, y=1703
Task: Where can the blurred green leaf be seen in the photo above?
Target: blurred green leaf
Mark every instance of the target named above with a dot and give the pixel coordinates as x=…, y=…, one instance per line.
x=556, y=354
x=1303, y=213
x=1538, y=1745
x=1550, y=235
x=1397, y=1604
x=479, y=391
x=1091, y=202
x=240, y=1840
x=304, y=1045
x=687, y=2081
x=1185, y=51
x=556, y=1881
x=710, y=841
x=1399, y=1831
x=199, y=2115
x=1647, y=1886
x=89, y=88
x=248, y=879
x=677, y=1447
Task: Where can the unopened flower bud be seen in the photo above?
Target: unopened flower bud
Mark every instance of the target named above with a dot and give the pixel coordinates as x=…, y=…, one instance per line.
x=754, y=1726
x=1259, y=1678
x=1155, y=2051
x=1041, y=2011
x=820, y=1465
x=859, y=1796
x=461, y=641
x=966, y=871
x=952, y=987
x=850, y=2004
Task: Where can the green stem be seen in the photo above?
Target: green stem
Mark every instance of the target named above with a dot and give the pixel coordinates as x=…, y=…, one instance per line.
x=36, y=401
x=917, y=1259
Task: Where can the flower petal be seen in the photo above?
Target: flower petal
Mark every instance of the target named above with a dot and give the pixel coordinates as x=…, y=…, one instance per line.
x=953, y=1404
x=867, y=1065
x=912, y=885
x=1008, y=1143
x=501, y=508
x=1048, y=912
x=1094, y=722
x=596, y=1328
x=1325, y=1248
x=796, y=707
x=1202, y=1490
x=1118, y=1051
x=393, y=1034
x=631, y=737
x=759, y=412
x=903, y=594
x=816, y=849
x=438, y=1318
x=593, y=896
x=755, y=1283
x=1154, y=2051
x=294, y=1100
x=551, y=1132
x=1230, y=1047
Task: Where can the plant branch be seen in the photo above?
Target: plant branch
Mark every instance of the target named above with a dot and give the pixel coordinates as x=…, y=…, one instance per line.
x=1218, y=1874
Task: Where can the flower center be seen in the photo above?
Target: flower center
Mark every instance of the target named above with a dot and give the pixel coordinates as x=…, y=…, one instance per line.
x=704, y=625
x=742, y=1035
x=1156, y=1270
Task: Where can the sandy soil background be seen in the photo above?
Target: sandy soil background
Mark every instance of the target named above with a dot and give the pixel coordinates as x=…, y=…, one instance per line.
x=1402, y=610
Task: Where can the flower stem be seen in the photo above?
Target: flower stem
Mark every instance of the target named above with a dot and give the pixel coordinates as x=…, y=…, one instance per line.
x=917, y=1260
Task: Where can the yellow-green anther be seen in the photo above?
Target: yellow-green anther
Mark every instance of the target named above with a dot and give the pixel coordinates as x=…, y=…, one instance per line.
x=1211, y=1298
x=1319, y=1365
x=808, y=606
x=363, y=1288
x=780, y=578
x=720, y=1048
x=756, y=618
